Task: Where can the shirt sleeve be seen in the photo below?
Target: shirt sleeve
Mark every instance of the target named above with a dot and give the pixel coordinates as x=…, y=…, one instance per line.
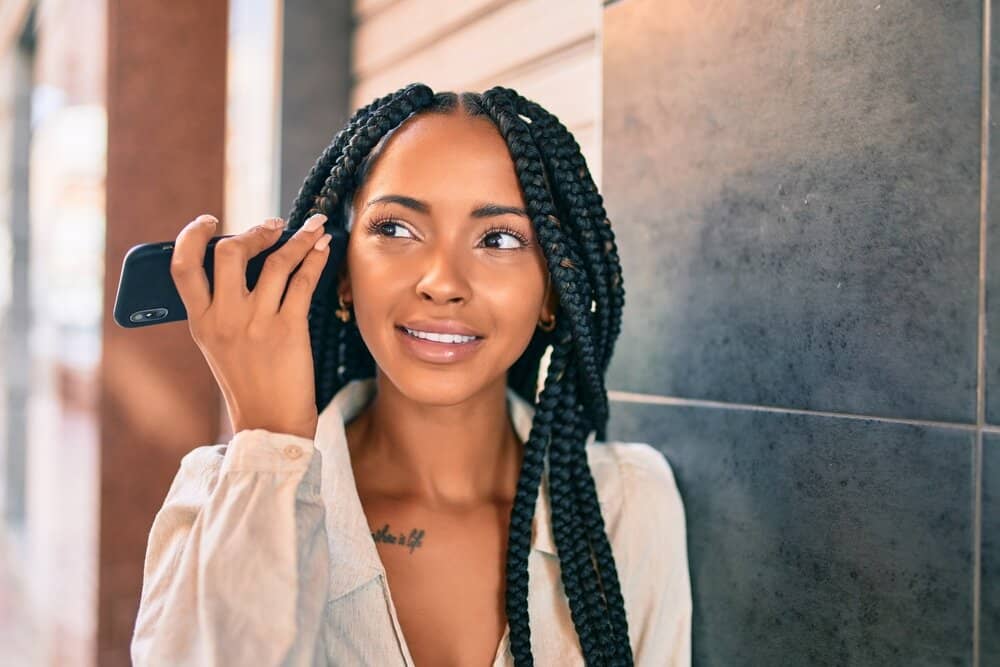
x=660, y=609
x=236, y=564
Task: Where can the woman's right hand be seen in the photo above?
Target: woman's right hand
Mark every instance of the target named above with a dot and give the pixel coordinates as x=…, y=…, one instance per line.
x=257, y=345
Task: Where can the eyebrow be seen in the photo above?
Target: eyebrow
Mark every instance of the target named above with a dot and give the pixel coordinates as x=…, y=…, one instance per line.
x=486, y=210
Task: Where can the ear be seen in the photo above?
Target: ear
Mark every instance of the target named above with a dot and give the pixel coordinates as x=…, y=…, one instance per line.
x=344, y=284
x=550, y=301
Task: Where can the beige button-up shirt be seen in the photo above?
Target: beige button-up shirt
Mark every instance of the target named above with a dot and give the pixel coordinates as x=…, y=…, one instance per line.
x=262, y=555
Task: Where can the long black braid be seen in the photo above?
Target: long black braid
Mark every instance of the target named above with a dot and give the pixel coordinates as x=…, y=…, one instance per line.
x=583, y=202
x=576, y=238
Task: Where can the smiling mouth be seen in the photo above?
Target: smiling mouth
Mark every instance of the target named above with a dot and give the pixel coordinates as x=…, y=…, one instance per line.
x=443, y=338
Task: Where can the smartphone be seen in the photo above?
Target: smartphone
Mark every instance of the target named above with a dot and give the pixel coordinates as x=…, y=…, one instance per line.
x=147, y=294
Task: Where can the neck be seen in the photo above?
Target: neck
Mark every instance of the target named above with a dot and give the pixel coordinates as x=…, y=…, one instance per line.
x=454, y=455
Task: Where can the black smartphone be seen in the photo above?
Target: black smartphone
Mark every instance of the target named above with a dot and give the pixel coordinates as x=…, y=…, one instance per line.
x=147, y=294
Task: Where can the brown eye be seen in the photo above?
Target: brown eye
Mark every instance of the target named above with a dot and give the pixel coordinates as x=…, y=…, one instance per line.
x=513, y=241
x=388, y=228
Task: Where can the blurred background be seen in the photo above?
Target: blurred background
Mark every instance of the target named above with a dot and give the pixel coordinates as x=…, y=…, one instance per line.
x=803, y=198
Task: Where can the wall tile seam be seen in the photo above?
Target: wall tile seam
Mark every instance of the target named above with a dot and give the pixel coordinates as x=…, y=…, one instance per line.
x=616, y=396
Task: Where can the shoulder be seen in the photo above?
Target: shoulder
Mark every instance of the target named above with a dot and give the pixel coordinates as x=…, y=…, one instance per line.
x=641, y=502
x=647, y=530
x=637, y=469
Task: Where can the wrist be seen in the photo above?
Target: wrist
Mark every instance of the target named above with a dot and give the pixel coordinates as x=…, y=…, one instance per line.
x=302, y=429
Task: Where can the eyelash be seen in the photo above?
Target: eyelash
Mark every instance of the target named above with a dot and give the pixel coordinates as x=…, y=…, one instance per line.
x=377, y=222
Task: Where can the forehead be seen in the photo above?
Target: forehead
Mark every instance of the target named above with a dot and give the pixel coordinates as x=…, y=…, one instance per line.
x=445, y=159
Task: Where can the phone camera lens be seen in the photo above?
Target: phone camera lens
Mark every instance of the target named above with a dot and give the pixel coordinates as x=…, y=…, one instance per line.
x=148, y=315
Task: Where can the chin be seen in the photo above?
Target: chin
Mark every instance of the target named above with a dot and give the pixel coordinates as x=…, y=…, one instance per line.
x=439, y=385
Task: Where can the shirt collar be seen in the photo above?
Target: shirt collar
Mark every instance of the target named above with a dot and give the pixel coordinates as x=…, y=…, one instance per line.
x=354, y=560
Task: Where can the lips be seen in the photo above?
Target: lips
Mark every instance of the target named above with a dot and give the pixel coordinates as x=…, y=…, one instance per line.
x=434, y=352
x=441, y=327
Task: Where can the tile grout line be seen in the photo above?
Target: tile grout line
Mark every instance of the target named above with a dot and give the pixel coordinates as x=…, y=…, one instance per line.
x=977, y=444
x=657, y=399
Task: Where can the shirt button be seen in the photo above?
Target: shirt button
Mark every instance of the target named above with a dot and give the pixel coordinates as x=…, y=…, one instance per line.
x=293, y=451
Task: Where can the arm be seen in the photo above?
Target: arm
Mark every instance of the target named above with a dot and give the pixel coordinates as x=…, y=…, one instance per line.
x=236, y=563
x=660, y=610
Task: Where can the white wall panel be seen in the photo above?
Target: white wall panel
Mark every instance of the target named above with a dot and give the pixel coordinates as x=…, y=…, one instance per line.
x=547, y=50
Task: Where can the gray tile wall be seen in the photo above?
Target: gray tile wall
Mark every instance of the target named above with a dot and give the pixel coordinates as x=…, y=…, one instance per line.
x=990, y=618
x=795, y=188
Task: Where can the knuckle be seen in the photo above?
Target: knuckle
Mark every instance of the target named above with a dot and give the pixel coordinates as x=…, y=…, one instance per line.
x=178, y=265
x=276, y=262
x=258, y=332
x=228, y=247
x=302, y=279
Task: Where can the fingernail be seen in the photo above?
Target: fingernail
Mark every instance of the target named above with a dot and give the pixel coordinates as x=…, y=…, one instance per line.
x=323, y=242
x=205, y=217
x=314, y=223
x=274, y=223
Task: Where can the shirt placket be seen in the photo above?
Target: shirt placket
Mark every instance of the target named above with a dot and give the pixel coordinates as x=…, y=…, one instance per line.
x=404, y=650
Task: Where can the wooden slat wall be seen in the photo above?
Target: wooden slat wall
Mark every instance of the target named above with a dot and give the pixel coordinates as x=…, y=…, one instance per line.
x=547, y=50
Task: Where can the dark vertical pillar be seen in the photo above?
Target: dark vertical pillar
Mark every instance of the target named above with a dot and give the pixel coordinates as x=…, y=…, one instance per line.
x=316, y=85
x=166, y=110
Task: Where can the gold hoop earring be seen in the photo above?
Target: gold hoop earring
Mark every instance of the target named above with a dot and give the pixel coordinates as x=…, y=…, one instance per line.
x=343, y=312
x=549, y=325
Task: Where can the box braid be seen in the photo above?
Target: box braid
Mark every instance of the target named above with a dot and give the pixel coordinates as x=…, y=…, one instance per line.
x=583, y=202
x=575, y=235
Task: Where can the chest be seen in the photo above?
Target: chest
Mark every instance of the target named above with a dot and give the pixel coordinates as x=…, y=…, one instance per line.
x=445, y=572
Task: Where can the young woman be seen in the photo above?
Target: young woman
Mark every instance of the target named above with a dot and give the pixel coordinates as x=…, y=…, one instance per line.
x=397, y=491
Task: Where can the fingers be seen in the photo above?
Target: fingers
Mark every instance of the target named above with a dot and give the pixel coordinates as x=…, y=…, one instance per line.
x=234, y=252
x=280, y=264
x=187, y=264
x=303, y=282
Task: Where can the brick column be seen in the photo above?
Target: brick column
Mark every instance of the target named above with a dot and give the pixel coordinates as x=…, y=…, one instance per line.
x=166, y=134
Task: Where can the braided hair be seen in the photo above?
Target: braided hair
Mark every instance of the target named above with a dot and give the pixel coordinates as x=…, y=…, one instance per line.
x=574, y=232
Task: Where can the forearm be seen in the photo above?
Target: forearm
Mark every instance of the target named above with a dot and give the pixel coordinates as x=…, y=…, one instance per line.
x=236, y=566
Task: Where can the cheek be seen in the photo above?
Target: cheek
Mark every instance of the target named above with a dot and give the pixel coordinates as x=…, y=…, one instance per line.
x=375, y=284
x=514, y=299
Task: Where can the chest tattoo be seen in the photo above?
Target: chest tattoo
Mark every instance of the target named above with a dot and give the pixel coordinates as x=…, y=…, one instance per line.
x=413, y=540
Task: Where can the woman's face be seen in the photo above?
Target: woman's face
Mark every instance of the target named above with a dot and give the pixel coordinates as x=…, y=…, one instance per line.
x=456, y=256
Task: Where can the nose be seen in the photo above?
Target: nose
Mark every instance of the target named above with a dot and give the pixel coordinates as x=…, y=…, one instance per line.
x=444, y=280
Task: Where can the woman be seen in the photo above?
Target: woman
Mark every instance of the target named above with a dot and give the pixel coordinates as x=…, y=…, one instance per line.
x=389, y=434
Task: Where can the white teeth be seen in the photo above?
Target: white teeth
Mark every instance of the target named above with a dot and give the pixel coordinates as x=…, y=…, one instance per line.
x=440, y=338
